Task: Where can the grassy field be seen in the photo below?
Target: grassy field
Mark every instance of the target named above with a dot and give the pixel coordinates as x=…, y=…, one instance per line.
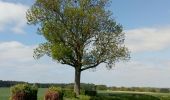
x=118, y=95
x=126, y=94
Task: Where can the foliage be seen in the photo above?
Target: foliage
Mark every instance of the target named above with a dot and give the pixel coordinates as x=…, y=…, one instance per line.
x=5, y=93
x=101, y=87
x=79, y=33
x=140, y=89
x=164, y=90
x=10, y=83
x=55, y=89
x=25, y=90
x=90, y=93
x=54, y=93
x=88, y=86
x=69, y=93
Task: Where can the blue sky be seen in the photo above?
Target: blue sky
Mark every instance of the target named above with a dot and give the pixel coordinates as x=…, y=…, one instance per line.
x=147, y=27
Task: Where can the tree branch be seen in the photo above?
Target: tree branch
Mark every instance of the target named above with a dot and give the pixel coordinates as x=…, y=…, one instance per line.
x=92, y=66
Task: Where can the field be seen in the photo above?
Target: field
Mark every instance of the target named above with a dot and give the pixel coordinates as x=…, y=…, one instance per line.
x=117, y=95
x=128, y=95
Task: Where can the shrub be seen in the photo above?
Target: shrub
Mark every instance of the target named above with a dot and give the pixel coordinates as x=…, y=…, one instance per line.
x=54, y=93
x=101, y=87
x=90, y=93
x=69, y=93
x=164, y=90
x=23, y=92
x=52, y=96
x=55, y=89
x=82, y=92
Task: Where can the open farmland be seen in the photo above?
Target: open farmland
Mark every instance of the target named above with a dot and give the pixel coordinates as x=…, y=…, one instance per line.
x=111, y=95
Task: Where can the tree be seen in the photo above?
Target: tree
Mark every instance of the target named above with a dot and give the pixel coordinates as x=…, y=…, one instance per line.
x=79, y=33
x=101, y=87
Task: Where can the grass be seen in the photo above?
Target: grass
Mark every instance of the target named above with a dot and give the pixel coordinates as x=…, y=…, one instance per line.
x=113, y=95
x=129, y=94
x=4, y=93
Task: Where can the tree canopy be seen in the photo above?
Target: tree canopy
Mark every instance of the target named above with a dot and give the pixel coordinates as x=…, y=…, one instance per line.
x=79, y=33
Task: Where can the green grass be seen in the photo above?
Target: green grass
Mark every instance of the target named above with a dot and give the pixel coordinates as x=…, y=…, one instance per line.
x=41, y=93
x=4, y=93
x=136, y=95
x=111, y=95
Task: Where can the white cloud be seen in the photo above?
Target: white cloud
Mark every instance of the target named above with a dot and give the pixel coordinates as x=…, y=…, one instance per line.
x=12, y=16
x=15, y=51
x=130, y=74
x=17, y=60
x=148, y=39
x=17, y=63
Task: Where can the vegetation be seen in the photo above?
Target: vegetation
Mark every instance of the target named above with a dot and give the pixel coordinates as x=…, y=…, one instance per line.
x=54, y=93
x=24, y=92
x=84, y=86
x=101, y=95
x=10, y=83
x=55, y=89
x=69, y=93
x=79, y=33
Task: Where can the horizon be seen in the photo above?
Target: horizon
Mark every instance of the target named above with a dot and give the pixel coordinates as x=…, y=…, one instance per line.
x=147, y=30
x=83, y=83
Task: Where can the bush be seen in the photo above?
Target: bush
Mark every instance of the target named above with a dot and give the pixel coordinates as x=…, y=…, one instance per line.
x=82, y=92
x=54, y=93
x=90, y=93
x=101, y=87
x=55, y=89
x=164, y=90
x=23, y=92
x=69, y=93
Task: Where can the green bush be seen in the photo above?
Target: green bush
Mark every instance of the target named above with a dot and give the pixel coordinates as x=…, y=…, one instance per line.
x=90, y=93
x=69, y=93
x=26, y=91
x=54, y=91
x=82, y=92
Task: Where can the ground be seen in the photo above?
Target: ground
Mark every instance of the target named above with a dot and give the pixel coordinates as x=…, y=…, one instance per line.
x=118, y=95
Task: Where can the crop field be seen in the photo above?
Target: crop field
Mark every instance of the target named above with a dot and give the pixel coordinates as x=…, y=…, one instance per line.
x=114, y=95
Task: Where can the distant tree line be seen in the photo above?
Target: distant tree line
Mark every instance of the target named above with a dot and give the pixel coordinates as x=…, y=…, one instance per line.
x=10, y=83
x=88, y=86
x=46, y=85
x=140, y=89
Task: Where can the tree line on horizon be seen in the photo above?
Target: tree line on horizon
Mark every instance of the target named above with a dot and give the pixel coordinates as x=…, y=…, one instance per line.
x=88, y=86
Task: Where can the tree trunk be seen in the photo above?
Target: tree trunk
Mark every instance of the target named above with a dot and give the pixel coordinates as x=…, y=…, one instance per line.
x=77, y=82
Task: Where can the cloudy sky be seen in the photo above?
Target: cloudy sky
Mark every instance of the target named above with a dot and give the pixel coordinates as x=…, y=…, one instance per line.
x=147, y=27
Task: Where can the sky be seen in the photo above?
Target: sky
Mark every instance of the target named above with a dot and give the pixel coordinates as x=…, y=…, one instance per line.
x=147, y=28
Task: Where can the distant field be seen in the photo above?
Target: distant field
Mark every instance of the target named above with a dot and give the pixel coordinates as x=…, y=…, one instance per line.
x=160, y=96
x=118, y=95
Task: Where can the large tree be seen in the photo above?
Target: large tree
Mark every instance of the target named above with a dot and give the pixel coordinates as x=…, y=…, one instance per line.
x=79, y=33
